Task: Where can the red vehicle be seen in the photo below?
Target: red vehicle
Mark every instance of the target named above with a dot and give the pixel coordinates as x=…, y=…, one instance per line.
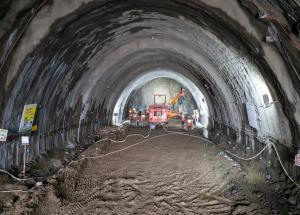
x=158, y=112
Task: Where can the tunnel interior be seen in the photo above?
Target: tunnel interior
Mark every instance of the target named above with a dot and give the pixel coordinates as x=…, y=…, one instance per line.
x=166, y=89
x=86, y=63
x=149, y=89
x=89, y=57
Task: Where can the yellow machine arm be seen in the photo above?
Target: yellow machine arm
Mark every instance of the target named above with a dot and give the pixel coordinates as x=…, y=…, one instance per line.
x=172, y=114
x=174, y=100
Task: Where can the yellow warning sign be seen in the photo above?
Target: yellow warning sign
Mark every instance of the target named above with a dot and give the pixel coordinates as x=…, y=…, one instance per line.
x=27, y=117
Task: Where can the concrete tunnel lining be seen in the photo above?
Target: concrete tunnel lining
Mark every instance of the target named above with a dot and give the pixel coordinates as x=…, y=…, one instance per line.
x=97, y=55
x=159, y=73
x=195, y=43
x=78, y=71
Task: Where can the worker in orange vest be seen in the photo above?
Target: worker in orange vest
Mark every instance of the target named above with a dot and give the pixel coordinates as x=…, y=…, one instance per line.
x=131, y=116
x=182, y=120
x=143, y=119
x=189, y=124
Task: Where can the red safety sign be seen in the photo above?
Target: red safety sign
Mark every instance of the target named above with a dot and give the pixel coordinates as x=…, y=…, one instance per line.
x=297, y=160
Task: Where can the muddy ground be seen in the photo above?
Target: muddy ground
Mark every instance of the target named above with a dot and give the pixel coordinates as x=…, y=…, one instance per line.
x=170, y=174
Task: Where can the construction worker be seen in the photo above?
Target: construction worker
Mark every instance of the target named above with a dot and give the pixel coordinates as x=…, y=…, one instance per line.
x=135, y=117
x=139, y=117
x=143, y=119
x=189, y=124
x=195, y=117
x=181, y=95
x=182, y=118
x=130, y=116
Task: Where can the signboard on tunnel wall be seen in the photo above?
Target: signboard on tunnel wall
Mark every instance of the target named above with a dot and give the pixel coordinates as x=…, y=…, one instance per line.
x=27, y=117
x=160, y=99
x=3, y=135
x=25, y=141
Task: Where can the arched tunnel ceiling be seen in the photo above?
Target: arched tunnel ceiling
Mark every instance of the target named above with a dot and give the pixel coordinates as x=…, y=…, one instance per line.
x=90, y=55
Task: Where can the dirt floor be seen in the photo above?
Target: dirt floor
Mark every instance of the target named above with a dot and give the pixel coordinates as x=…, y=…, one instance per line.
x=166, y=174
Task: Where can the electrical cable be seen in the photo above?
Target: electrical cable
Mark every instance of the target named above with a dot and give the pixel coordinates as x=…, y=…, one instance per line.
x=277, y=154
x=197, y=137
x=17, y=179
x=27, y=179
x=15, y=191
x=14, y=177
x=122, y=141
x=248, y=159
x=128, y=147
x=185, y=134
x=284, y=169
x=95, y=157
x=168, y=133
x=130, y=135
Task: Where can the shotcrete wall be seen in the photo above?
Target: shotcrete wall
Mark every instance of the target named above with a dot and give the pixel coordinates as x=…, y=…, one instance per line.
x=74, y=61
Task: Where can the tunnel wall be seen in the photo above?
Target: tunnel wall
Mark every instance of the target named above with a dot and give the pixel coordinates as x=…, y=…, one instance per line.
x=57, y=13
x=61, y=138
x=29, y=78
x=269, y=162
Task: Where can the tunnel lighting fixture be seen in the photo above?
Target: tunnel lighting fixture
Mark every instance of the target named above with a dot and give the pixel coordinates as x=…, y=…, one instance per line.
x=267, y=101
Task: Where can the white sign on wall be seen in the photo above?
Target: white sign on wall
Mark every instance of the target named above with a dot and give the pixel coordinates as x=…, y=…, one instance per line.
x=3, y=135
x=252, y=115
x=160, y=99
x=25, y=140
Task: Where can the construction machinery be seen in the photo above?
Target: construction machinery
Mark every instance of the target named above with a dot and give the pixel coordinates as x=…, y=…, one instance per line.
x=173, y=101
x=161, y=111
x=158, y=112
